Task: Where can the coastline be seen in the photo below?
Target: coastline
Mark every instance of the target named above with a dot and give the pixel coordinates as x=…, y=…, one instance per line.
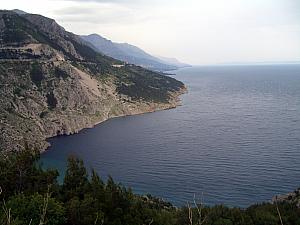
x=76, y=103
x=174, y=102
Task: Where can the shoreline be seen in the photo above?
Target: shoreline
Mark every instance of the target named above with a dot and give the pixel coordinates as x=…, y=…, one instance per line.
x=174, y=102
x=291, y=197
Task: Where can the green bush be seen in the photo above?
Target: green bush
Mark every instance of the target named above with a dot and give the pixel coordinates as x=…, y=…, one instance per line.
x=30, y=208
x=51, y=100
x=59, y=73
x=36, y=74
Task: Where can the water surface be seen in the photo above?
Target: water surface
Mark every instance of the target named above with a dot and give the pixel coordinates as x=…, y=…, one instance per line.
x=236, y=138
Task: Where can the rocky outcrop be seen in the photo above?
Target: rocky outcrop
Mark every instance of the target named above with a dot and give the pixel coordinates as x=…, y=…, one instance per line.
x=292, y=198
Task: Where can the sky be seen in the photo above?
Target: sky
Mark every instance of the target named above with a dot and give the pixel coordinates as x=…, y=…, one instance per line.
x=198, y=32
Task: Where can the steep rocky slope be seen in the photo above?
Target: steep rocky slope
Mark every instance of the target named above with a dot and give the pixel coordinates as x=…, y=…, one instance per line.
x=52, y=83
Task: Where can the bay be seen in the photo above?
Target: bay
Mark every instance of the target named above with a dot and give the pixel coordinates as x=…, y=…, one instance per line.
x=235, y=139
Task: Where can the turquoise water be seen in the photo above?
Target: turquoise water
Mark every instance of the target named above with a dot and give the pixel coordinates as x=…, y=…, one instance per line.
x=236, y=139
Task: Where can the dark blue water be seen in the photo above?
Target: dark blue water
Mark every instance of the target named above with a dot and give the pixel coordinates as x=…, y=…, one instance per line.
x=236, y=139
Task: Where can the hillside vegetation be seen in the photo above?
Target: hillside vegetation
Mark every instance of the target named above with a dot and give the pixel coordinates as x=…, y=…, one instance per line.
x=31, y=195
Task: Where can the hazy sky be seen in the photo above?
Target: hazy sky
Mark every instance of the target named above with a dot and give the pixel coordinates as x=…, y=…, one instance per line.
x=194, y=31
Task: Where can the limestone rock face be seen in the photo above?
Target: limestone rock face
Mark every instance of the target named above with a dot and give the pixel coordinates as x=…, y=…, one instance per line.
x=52, y=83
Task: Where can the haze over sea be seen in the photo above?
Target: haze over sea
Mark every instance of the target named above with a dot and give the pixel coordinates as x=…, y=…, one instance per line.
x=236, y=138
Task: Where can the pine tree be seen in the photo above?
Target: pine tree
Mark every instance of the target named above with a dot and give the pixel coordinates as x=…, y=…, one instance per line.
x=76, y=179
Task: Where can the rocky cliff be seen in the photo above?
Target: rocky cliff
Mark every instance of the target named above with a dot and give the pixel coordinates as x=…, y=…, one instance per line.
x=52, y=83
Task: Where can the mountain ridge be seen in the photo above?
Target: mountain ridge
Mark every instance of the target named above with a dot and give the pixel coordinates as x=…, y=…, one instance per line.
x=173, y=61
x=53, y=83
x=129, y=53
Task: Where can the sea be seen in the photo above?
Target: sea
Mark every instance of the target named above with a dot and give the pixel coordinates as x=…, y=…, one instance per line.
x=235, y=139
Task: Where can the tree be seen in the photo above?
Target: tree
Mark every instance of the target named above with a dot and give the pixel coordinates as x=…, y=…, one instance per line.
x=20, y=172
x=76, y=179
x=33, y=210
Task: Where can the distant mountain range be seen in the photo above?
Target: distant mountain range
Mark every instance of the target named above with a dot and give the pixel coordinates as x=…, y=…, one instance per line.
x=173, y=61
x=131, y=54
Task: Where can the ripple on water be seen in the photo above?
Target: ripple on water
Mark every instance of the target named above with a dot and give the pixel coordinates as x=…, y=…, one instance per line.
x=236, y=139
